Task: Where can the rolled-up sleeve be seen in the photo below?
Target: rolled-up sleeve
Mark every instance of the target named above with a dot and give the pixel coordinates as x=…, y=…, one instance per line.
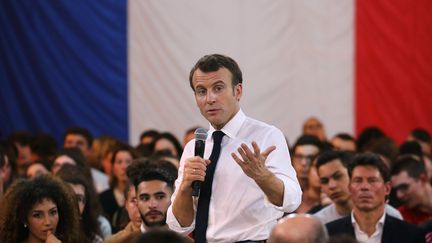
x=171, y=220
x=279, y=162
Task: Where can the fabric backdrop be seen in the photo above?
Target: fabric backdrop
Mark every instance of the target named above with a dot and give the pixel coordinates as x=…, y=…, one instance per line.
x=119, y=67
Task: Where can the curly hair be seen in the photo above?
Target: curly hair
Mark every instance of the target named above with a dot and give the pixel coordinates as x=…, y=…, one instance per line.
x=89, y=218
x=24, y=194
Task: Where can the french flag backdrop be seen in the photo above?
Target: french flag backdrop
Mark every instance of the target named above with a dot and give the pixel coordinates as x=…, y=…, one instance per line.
x=121, y=67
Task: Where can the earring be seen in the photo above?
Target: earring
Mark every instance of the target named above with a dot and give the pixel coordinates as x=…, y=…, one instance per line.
x=25, y=225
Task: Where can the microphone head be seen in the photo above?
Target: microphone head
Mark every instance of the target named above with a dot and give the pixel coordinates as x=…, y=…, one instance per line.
x=200, y=134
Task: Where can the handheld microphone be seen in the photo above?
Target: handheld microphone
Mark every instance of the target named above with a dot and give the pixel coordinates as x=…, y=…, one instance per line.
x=200, y=138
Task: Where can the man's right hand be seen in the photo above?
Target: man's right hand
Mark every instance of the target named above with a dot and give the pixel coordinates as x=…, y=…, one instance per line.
x=194, y=170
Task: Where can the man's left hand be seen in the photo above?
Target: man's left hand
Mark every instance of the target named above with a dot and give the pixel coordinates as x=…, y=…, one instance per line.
x=253, y=163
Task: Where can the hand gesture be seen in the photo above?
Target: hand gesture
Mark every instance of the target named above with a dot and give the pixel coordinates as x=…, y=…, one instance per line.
x=51, y=238
x=253, y=163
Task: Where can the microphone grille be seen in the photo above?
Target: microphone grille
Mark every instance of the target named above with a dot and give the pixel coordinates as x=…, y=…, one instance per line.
x=200, y=134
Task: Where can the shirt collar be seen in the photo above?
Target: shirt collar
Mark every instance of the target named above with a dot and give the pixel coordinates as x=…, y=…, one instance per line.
x=380, y=221
x=233, y=126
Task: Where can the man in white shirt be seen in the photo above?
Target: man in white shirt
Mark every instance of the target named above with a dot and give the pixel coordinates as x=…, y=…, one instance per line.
x=253, y=182
x=368, y=222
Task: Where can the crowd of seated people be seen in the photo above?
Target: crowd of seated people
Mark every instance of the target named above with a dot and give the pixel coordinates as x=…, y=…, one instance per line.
x=104, y=190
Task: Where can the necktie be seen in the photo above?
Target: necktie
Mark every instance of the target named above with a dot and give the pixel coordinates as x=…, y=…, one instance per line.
x=201, y=221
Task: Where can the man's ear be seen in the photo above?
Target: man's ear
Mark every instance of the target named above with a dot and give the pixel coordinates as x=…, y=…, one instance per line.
x=238, y=91
x=387, y=186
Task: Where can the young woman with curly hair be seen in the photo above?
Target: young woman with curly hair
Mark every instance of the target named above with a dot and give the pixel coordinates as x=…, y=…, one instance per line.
x=43, y=209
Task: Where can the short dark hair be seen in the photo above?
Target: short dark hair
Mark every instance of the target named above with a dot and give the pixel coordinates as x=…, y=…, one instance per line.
x=421, y=134
x=144, y=169
x=367, y=135
x=213, y=62
x=308, y=140
x=80, y=131
x=327, y=156
x=370, y=159
x=407, y=163
x=149, y=133
x=410, y=147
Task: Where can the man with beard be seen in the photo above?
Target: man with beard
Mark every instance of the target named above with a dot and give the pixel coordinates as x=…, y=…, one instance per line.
x=154, y=187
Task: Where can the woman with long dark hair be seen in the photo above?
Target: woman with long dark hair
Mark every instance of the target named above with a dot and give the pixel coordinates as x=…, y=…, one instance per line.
x=39, y=210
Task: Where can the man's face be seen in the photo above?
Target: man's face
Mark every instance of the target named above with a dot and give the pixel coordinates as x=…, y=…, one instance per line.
x=368, y=189
x=217, y=100
x=76, y=141
x=408, y=190
x=343, y=145
x=302, y=159
x=334, y=181
x=154, y=198
x=312, y=126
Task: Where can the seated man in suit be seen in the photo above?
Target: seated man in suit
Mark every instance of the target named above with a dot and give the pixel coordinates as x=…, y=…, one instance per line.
x=332, y=169
x=369, y=186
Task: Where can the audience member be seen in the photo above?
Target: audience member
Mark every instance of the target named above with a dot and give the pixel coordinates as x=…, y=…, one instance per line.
x=167, y=141
x=305, y=150
x=8, y=172
x=146, y=146
x=22, y=141
x=134, y=216
x=112, y=199
x=344, y=142
x=296, y=228
x=312, y=126
x=43, y=148
x=423, y=137
x=101, y=147
x=37, y=169
x=39, y=210
x=313, y=199
x=72, y=156
x=368, y=135
x=154, y=184
x=369, y=185
x=333, y=172
x=412, y=188
x=87, y=202
x=385, y=147
x=189, y=135
x=148, y=137
x=81, y=138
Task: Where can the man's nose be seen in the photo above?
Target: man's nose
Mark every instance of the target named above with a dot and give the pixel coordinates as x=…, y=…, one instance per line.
x=153, y=203
x=210, y=97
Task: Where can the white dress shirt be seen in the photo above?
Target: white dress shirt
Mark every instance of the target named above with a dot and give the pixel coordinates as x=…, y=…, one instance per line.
x=239, y=209
x=363, y=237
